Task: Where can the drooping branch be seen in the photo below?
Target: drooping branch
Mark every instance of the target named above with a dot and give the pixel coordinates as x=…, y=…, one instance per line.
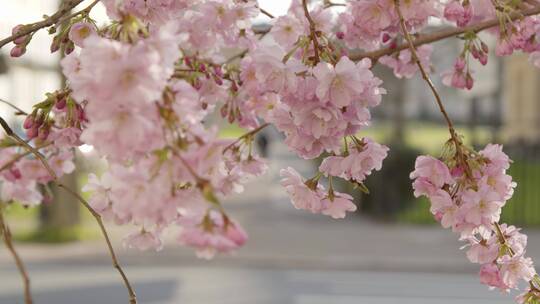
x=51, y=20
x=97, y=216
x=6, y=235
x=410, y=45
x=453, y=134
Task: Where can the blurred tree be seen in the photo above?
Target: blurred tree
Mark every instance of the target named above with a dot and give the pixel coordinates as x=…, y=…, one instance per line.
x=60, y=218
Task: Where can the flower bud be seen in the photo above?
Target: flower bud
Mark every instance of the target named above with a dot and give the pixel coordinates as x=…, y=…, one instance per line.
x=469, y=81
x=224, y=109
x=60, y=104
x=386, y=37
x=28, y=122
x=202, y=67
x=483, y=58
x=460, y=64
x=218, y=71
x=32, y=132
x=484, y=47
x=55, y=45
x=340, y=35
x=17, y=51
x=218, y=81
x=15, y=30
x=70, y=47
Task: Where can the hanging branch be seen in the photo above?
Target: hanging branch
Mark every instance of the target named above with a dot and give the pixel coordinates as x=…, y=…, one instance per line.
x=97, y=216
x=436, y=94
x=425, y=76
x=6, y=235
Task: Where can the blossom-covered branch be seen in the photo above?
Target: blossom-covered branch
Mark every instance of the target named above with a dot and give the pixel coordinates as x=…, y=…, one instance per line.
x=444, y=34
x=464, y=199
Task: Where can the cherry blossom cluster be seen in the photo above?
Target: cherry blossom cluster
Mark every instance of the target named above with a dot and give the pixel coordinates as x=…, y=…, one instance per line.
x=467, y=191
x=55, y=126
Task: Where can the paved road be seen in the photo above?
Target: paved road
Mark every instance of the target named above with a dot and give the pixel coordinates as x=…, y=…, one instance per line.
x=212, y=285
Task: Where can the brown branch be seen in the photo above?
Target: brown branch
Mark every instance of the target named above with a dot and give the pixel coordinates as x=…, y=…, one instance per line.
x=33, y=27
x=426, y=38
x=328, y=4
x=267, y=13
x=85, y=11
x=115, y=263
x=250, y=133
x=21, y=155
x=35, y=152
x=6, y=235
x=425, y=76
x=19, y=110
x=442, y=34
x=312, y=31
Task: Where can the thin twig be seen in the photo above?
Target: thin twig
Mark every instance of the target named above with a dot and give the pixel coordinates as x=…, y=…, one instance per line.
x=312, y=31
x=33, y=27
x=265, y=12
x=328, y=4
x=115, y=263
x=250, y=133
x=97, y=216
x=86, y=11
x=19, y=110
x=6, y=235
x=425, y=76
x=21, y=155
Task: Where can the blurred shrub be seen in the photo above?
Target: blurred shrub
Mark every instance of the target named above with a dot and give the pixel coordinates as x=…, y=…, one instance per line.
x=390, y=189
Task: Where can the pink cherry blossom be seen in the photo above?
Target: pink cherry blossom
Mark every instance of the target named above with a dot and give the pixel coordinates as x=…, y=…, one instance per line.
x=214, y=234
x=358, y=164
x=301, y=195
x=338, y=206
x=80, y=31
x=143, y=240
x=491, y=276
x=339, y=84
x=286, y=30
x=481, y=207
x=434, y=170
x=514, y=269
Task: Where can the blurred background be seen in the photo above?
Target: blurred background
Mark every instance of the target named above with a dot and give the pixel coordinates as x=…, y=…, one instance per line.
x=390, y=251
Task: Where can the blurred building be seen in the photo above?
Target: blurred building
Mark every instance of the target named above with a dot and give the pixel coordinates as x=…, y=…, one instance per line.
x=522, y=100
x=27, y=78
